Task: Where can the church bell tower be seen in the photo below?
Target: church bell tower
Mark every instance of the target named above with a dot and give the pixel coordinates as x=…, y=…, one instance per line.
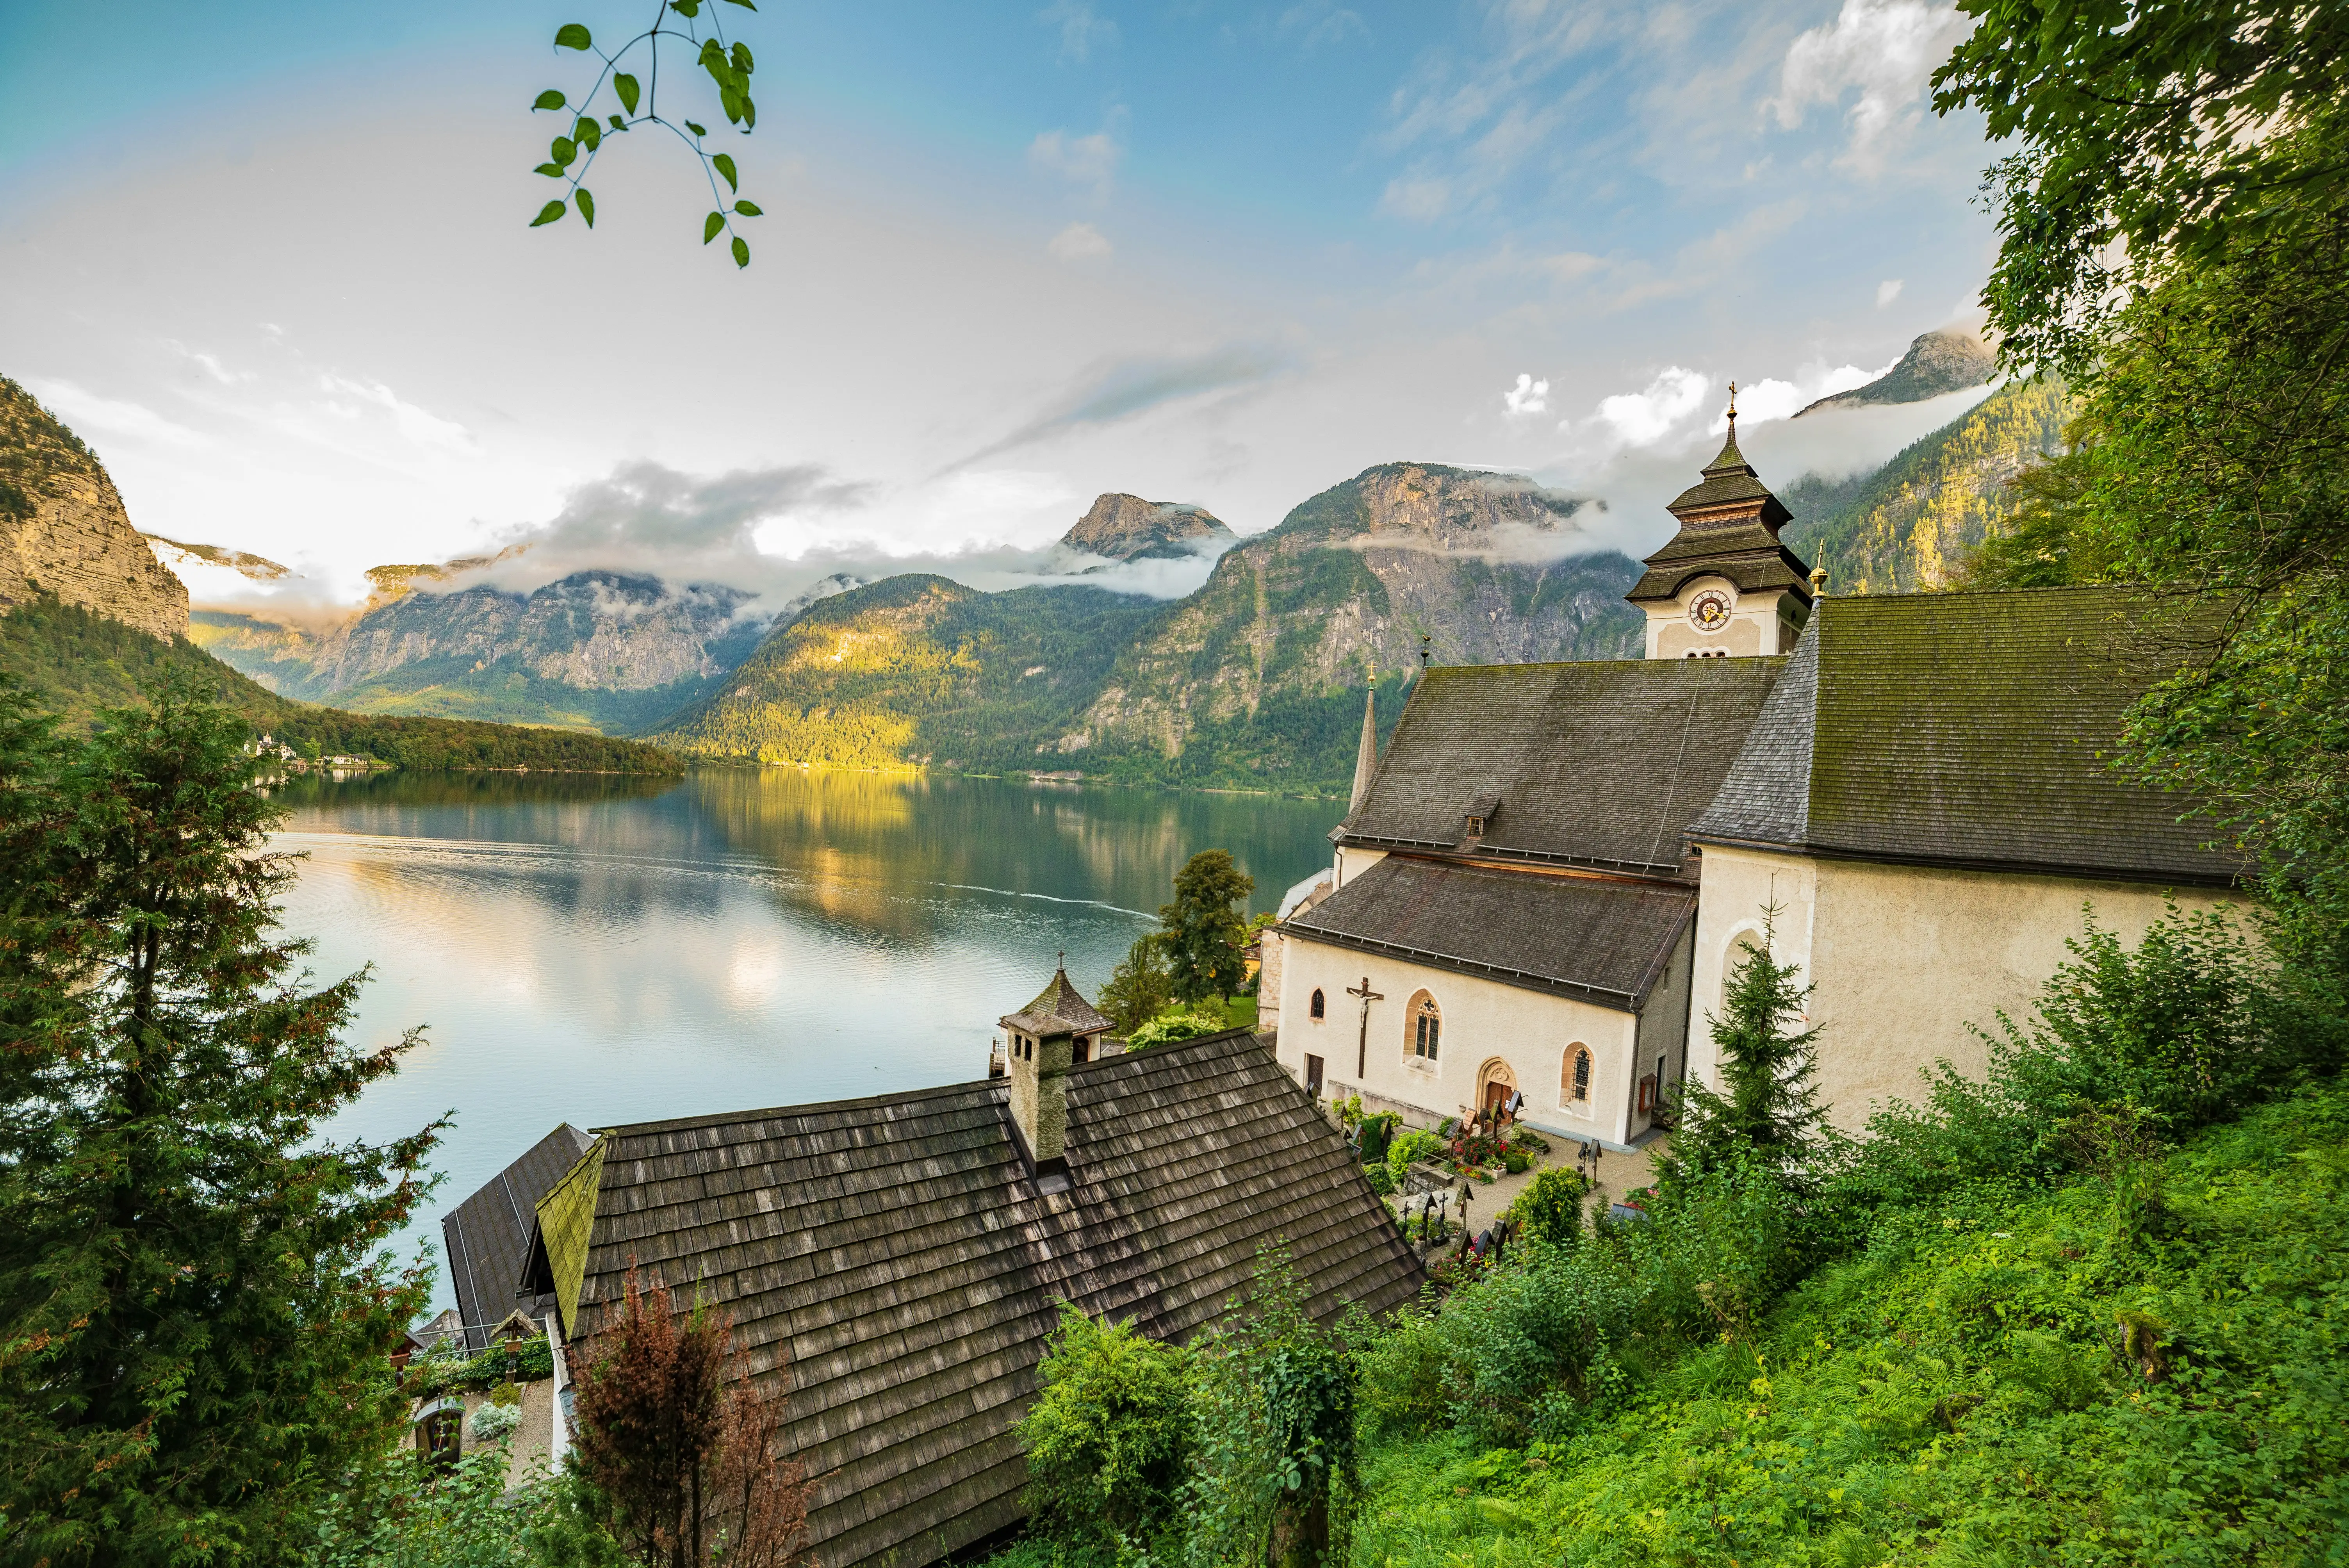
x=1725, y=585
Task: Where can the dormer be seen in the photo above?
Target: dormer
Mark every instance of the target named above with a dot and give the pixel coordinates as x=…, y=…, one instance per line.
x=1725, y=585
x=1478, y=819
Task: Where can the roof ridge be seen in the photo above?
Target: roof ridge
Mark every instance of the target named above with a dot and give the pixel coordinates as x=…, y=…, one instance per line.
x=720, y=1119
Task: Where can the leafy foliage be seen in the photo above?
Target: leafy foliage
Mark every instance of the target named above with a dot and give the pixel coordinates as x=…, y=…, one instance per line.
x=1415, y=1145
x=1275, y=1422
x=1550, y=1208
x=2151, y=132
x=198, y=1314
x=680, y=24
x=1206, y=925
x=1178, y=1025
x=1140, y=988
x=679, y=1445
x=1108, y=1438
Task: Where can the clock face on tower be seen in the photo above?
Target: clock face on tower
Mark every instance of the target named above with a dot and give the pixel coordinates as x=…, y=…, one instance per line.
x=1709, y=611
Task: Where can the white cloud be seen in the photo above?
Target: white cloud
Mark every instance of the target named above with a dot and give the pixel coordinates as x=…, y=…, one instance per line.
x=208, y=363
x=1527, y=396
x=1771, y=399
x=1079, y=243
x=1642, y=419
x=1080, y=29
x=1420, y=200
x=1088, y=161
x=1884, y=49
x=1317, y=23
x=424, y=428
x=1887, y=292
x=133, y=421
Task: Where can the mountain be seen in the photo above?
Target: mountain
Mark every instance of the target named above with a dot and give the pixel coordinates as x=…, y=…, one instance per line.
x=916, y=670
x=1254, y=681
x=1949, y=360
x=1258, y=677
x=76, y=661
x=1128, y=528
x=1905, y=526
x=63, y=530
x=595, y=650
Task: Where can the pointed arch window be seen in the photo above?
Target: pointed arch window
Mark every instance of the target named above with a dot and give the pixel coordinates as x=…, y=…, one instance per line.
x=1426, y=1028
x=1576, y=1084
x=1320, y=1009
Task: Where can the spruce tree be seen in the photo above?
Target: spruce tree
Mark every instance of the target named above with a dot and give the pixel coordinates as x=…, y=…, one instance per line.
x=1766, y=1107
x=196, y=1309
x=1203, y=928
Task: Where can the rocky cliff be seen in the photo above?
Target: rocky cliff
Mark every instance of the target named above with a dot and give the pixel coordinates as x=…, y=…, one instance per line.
x=63, y=530
x=1338, y=597
x=1128, y=528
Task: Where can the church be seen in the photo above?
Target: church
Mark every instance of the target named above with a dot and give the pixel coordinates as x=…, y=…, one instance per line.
x=1542, y=885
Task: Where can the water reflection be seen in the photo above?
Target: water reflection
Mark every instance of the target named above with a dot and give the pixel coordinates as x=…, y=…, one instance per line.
x=602, y=950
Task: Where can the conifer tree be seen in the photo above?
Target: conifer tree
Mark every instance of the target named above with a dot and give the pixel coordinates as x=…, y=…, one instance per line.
x=1204, y=927
x=1141, y=987
x=1766, y=1107
x=196, y=1313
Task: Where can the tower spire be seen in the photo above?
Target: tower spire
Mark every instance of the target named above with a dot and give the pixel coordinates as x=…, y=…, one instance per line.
x=1366, y=756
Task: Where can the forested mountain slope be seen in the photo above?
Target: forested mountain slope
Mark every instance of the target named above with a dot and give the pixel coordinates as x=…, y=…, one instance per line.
x=1908, y=525
x=75, y=663
x=63, y=530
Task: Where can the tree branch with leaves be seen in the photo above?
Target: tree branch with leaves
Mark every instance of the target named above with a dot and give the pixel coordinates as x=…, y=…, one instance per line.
x=728, y=65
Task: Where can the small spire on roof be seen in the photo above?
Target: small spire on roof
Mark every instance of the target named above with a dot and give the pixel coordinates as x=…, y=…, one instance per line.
x=1366, y=756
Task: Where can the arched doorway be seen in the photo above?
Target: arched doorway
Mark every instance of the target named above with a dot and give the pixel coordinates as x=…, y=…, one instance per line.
x=1496, y=1082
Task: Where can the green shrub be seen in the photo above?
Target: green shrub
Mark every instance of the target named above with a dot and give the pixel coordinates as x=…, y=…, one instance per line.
x=1108, y=1436
x=1515, y=1162
x=1551, y=1206
x=1380, y=1180
x=1171, y=1027
x=1414, y=1145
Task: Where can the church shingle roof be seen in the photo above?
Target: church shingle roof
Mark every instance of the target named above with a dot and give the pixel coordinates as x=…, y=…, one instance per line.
x=486, y=1237
x=897, y=1252
x=1596, y=764
x=1965, y=729
x=1603, y=942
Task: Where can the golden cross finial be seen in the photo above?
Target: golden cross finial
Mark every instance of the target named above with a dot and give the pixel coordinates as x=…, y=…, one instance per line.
x=1733, y=400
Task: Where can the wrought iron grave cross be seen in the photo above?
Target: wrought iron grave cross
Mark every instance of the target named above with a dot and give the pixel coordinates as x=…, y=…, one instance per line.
x=1363, y=1050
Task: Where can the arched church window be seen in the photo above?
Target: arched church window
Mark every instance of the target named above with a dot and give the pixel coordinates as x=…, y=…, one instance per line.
x=1320, y=1008
x=1577, y=1074
x=1427, y=1027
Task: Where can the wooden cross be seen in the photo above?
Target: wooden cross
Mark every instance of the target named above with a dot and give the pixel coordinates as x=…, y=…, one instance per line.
x=1362, y=1051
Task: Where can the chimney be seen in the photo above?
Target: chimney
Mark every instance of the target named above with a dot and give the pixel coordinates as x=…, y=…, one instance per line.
x=1057, y=1030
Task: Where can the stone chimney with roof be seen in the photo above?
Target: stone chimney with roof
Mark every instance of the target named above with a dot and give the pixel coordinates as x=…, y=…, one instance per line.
x=1725, y=585
x=1041, y=1042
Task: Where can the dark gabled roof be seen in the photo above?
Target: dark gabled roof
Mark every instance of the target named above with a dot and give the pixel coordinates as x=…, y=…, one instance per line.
x=1604, y=942
x=1599, y=764
x=895, y=1250
x=1965, y=729
x=487, y=1237
x=1060, y=1009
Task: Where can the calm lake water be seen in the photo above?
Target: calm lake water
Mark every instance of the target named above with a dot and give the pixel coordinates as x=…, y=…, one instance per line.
x=598, y=950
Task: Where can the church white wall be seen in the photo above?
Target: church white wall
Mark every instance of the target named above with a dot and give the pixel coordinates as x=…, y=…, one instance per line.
x=1663, y=1027
x=1531, y=1033
x=1904, y=957
x=1351, y=863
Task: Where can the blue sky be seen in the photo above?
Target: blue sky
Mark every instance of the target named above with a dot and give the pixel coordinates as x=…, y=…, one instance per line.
x=271, y=259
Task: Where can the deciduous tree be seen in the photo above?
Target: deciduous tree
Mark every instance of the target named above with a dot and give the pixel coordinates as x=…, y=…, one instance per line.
x=1205, y=928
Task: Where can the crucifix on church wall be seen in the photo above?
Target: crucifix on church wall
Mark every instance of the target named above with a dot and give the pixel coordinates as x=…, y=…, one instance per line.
x=1362, y=1051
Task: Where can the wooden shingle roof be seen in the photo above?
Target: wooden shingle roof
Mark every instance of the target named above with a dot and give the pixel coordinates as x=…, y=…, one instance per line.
x=1974, y=730
x=1059, y=1009
x=487, y=1237
x=894, y=1251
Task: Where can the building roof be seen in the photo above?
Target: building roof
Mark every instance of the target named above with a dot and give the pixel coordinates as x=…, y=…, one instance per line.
x=1060, y=1009
x=1596, y=764
x=897, y=1252
x=1966, y=729
x=1601, y=941
x=487, y=1237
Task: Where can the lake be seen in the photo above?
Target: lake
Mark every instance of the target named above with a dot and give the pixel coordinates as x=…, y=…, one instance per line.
x=603, y=950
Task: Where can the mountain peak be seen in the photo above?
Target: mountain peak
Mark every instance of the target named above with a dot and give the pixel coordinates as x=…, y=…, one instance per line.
x=1128, y=528
x=1949, y=360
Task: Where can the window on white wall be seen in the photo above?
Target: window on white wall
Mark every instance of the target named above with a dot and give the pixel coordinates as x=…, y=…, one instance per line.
x=1427, y=1027
x=1320, y=1008
x=1575, y=1085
